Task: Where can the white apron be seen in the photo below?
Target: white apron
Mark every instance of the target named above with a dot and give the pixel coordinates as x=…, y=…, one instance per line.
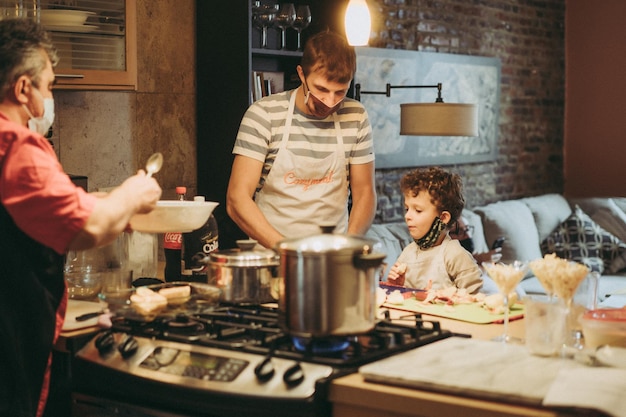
x=302, y=193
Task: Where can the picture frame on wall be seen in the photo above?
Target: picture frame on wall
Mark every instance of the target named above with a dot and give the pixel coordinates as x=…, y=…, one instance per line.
x=464, y=79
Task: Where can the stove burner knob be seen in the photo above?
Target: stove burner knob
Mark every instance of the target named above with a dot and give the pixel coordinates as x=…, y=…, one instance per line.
x=264, y=371
x=294, y=375
x=128, y=347
x=104, y=342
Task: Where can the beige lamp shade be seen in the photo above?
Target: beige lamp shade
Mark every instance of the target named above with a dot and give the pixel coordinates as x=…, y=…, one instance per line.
x=438, y=119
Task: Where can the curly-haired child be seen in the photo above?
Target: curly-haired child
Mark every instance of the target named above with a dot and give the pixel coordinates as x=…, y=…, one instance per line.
x=433, y=201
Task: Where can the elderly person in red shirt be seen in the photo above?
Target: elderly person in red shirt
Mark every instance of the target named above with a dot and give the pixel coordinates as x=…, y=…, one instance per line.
x=42, y=215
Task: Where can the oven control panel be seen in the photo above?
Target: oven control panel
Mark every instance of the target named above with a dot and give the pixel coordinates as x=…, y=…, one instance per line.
x=194, y=364
x=201, y=367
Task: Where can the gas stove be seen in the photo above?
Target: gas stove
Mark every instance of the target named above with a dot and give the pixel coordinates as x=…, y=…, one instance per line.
x=232, y=360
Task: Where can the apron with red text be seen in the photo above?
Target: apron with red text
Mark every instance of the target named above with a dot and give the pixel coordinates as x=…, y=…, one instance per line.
x=302, y=193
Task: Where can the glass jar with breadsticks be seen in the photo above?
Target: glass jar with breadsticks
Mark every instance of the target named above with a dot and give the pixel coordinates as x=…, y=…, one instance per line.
x=561, y=278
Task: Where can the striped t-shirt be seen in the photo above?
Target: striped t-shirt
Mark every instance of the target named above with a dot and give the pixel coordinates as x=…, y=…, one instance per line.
x=262, y=126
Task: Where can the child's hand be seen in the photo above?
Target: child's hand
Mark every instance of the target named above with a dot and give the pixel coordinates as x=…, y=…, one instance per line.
x=397, y=274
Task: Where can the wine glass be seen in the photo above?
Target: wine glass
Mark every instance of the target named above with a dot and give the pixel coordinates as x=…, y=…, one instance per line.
x=302, y=21
x=263, y=17
x=284, y=18
x=506, y=278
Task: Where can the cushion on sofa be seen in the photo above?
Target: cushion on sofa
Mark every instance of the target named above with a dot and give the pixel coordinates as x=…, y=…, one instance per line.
x=548, y=210
x=513, y=220
x=612, y=219
x=581, y=239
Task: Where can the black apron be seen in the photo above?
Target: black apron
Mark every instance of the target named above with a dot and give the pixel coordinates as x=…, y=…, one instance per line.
x=31, y=289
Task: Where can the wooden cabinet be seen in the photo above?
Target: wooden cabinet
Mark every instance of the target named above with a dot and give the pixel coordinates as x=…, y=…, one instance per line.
x=227, y=51
x=99, y=53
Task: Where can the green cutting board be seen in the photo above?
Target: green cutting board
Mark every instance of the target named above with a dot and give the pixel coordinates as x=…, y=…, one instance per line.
x=471, y=313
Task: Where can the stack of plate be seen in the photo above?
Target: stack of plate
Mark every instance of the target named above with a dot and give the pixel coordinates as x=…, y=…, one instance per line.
x=66, y=20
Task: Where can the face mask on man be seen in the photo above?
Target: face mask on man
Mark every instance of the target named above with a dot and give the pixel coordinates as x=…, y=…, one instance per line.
x=42, y=124
x=320, y=109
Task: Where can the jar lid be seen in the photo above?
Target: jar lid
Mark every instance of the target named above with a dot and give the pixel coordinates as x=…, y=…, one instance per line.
x=606, y=314
x=247, y=255
x=327, y=242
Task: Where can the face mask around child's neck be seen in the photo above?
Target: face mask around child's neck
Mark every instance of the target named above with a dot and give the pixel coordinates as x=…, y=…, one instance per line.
x=431, y=237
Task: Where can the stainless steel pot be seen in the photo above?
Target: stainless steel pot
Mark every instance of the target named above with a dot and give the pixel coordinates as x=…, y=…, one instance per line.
x=329, y=286
x=244, y=275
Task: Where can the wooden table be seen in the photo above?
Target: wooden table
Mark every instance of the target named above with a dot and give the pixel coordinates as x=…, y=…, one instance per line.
x=352, y=396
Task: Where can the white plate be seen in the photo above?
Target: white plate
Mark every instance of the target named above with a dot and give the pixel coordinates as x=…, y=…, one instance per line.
x=73, y=29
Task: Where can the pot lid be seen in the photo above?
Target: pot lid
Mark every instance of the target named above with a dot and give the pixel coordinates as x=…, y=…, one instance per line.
x=247, y=255
x=327, y=242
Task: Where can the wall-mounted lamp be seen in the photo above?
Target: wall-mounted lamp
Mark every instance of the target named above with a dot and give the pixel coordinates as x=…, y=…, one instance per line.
x=432, y=119
x=358, y=23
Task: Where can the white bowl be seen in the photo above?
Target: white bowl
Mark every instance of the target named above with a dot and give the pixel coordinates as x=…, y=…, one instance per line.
x=58, y=17
x=174, y=216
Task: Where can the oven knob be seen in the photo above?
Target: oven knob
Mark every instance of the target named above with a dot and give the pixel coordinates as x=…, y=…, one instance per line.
x=128, y=347
x=294, y=375
x=104, y=342
x=264, y=371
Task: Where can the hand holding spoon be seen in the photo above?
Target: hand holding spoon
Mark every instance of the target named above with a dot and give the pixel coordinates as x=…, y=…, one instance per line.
x=154, y=164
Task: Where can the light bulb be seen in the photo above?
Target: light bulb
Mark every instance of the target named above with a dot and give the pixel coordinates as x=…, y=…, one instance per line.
x=358, y=22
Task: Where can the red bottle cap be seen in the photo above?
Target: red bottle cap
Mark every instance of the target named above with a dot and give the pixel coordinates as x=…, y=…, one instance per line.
x=181, y=190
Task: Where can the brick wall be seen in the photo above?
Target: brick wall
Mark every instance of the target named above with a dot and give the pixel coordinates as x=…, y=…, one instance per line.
x=528, y=37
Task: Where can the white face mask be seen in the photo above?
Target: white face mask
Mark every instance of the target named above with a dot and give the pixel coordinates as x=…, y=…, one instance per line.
x=42, y=124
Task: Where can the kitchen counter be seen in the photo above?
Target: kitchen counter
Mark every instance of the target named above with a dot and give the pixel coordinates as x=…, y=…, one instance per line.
x=352, y=396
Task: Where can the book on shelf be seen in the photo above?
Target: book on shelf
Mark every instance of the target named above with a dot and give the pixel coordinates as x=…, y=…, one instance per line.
x=265, y=83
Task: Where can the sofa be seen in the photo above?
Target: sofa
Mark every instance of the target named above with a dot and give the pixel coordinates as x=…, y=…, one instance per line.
x=587, y=230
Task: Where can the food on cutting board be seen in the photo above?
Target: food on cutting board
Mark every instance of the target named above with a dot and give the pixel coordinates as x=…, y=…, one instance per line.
x=381, y=296
x=395, y=297
x=495, y=302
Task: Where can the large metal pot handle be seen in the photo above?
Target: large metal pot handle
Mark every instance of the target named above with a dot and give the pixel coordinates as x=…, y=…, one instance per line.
x=368, y=260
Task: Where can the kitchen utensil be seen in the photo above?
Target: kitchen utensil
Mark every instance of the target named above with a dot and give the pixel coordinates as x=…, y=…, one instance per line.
x=200, y=297
x=330, y=283
x=154, y=164
x=87, y=316
x=173, y=216
x=245, y=275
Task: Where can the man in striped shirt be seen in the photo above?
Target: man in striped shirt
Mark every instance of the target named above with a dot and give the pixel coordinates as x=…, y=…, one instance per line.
x=300, y=154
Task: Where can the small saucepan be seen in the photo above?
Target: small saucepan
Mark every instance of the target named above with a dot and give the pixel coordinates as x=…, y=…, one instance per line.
x=245, y=275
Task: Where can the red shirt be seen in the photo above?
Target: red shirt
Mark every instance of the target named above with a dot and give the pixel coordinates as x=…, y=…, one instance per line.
x=42, y=201
x=35, y=190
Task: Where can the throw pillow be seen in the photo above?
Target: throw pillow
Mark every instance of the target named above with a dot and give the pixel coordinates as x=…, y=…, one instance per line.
x=612, y=219
x=580, y=239
x=548, y=210
x=513, y=220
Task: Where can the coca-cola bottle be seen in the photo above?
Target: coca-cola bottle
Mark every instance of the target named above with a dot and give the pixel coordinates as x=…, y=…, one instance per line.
x=172, y=246
x=197, y=245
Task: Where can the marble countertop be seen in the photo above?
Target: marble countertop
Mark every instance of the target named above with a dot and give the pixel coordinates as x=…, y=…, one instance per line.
x=505, y=372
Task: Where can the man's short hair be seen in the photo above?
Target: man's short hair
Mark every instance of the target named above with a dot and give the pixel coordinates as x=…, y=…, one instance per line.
x=23, y=49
